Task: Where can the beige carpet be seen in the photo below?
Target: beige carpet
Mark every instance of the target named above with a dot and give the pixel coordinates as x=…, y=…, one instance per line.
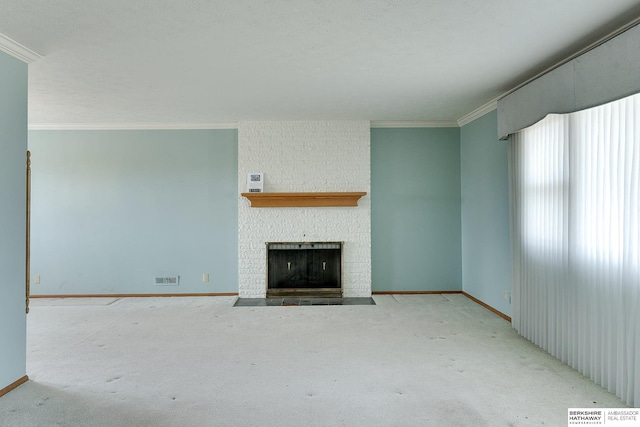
x=423, y=360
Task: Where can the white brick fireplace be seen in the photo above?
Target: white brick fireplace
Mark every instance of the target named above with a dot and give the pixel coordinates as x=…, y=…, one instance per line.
x=305, y=157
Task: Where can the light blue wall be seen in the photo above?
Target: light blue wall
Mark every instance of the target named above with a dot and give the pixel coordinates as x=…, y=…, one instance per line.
x=486, y=262
x=13, y=148
x=114, y=209
x=415, y=209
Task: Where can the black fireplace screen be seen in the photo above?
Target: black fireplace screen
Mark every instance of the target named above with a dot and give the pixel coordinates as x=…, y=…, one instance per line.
x=304, y=265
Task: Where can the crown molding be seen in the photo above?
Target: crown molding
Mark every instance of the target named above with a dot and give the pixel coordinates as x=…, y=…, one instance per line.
x=492, y=105
x=16, y=50
x=414, y=124
x=599, y=42
x=478, y=112
x=218, y=125
x=132, y=126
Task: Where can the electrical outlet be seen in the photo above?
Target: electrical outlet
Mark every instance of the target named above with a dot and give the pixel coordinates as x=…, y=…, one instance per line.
x=505, y=295
x=205, y=277
x=36, y=279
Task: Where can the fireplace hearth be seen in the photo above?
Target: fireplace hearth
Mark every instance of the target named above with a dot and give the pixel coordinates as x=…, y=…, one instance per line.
x=304, y=269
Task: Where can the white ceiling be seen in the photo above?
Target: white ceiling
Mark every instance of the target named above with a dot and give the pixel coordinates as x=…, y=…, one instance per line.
x=206, y=61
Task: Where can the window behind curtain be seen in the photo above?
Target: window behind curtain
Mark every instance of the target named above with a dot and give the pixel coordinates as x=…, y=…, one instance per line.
x=575, y=239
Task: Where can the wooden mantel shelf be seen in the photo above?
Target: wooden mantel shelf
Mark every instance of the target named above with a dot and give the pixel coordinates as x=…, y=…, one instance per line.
x=303, y=200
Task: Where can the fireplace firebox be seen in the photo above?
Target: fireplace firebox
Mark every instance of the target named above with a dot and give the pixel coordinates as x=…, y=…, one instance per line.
x=304, y=269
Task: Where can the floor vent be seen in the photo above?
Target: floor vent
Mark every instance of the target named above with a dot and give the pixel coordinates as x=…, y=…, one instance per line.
x=167, y=280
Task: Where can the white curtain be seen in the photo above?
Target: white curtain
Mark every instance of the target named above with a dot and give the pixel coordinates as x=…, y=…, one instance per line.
x=575, y=227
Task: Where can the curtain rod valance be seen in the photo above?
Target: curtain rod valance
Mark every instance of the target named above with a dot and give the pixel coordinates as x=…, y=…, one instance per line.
x=606, y=73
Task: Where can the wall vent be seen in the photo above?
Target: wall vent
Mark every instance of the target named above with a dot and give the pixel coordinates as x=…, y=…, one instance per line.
x=167, y=280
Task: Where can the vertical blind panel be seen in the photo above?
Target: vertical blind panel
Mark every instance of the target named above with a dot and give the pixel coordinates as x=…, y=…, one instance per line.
x=575, y=230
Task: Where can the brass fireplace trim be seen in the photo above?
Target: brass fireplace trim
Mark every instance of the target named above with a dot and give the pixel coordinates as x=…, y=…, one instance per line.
x=305, y=292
